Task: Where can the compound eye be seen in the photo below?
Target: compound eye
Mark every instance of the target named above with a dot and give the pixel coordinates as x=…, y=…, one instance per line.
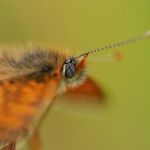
x=70, y=68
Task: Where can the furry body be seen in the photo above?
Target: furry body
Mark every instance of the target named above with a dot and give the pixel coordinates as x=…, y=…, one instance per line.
x=28, y=85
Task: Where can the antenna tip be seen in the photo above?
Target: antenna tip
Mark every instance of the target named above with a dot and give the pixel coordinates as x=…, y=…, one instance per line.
x=147, y=33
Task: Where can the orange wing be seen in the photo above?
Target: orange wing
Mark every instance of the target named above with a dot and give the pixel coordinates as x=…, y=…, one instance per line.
x=89, y=91
x=21, y=99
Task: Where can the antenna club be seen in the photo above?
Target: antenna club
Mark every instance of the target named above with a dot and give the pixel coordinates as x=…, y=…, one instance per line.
x=147, y=33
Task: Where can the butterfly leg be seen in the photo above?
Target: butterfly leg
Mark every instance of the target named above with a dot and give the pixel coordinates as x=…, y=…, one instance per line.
x=11, y=145
x=35, y=141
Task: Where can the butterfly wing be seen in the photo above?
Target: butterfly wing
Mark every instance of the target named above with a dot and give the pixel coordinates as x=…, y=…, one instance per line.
x=21, y=102
x=89, y=91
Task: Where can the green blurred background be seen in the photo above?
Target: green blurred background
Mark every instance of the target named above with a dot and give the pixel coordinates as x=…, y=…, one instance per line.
x=80, y=25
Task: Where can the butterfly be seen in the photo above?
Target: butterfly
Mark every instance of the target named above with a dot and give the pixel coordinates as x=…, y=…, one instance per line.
x=29, y=84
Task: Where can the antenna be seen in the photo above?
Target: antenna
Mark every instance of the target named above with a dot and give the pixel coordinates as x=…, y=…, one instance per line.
x=120, y=43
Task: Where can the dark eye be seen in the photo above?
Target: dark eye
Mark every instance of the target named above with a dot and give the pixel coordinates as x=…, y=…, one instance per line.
x=70, y=68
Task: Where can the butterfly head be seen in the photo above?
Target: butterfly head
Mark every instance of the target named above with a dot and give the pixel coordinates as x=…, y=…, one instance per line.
x=74, y=71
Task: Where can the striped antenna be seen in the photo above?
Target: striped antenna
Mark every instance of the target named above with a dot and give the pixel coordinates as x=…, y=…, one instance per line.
x=120, y=43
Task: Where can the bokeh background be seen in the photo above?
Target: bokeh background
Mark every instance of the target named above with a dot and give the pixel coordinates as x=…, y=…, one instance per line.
x=80, y=25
